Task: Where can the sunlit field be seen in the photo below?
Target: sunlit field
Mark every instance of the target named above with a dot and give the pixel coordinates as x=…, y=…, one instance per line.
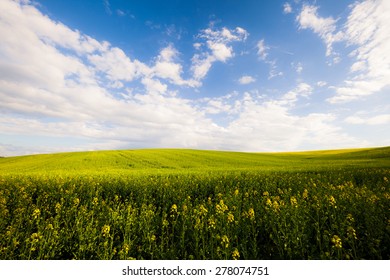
x=188, y=204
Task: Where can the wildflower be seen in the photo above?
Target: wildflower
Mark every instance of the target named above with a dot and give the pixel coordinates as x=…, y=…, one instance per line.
x=332, y=201
x=305, y=194
x=76, y=202
x=95, y=201
x=174, y=208
x=351, y=232
x=58, y=207
x=230, y=218
x=251, y=213
x=337, y=242
x=202, y=210
x=235, y=254
x=35, y=237
x=106, y=230
x=275, y=205
x=165, y=223
x=152, y=238
x=36, y=213
x=236, y=192
x=198, y=224
x=350, y=218
x=185, y=208
x=221, y=207
x=269, y=202
x=126, y=248
x=211, y=223
x=294, y=201
x=265, y=193
x=225, y=241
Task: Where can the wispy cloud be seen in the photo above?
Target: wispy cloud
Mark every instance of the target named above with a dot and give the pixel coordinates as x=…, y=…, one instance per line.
x=308, y=18
x=107, y=7
x=367, y=31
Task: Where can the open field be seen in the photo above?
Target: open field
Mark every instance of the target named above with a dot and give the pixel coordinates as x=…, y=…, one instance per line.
x=189, y=204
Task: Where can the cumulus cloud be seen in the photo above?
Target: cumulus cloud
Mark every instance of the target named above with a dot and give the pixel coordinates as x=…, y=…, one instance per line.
x=219, y=48
x=287, y=9
x=60, y=83
x=244, y=80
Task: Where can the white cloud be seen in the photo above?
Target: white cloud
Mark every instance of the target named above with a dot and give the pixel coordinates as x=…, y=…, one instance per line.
x=382, y=119
x=57, y=82
x=262, y=49
x=298, y=67
x=262, y=52
x=367, y=30
x=218, y=42
x=321, y=83
x=244, y=80
x=308, y=18
x=291, y=97
x=287, y=9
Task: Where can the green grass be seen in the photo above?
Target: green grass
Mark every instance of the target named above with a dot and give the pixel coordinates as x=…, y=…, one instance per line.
x=176, y=160
x=189, y=204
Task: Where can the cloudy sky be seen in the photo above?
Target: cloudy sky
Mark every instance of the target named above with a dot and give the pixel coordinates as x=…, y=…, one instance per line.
x=241, y=75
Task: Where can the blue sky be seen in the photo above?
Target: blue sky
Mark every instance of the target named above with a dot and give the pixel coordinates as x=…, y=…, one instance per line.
x=230, y=75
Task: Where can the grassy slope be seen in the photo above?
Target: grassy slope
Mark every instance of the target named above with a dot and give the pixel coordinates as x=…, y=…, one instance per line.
x=179, y=160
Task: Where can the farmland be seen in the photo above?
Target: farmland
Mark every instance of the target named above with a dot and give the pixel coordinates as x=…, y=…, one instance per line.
x=191, y=204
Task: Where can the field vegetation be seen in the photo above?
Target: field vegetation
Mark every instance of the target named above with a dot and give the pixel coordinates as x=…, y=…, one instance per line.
x=190, y=204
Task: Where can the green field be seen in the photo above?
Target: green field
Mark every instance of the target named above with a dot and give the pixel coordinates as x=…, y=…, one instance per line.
x=191, y=204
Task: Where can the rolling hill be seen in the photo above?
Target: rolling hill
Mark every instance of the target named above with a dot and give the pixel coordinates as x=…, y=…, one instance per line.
x=179, y=160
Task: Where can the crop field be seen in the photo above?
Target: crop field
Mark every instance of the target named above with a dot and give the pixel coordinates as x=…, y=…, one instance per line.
x=189, y=204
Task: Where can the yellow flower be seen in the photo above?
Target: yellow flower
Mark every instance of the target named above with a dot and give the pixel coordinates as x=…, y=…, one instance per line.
x=251, y=213
x=211, y=223
x=305, y=194
x=58, y=207
x=337, y=242
x=202, y=210
x=350, y=218
x=225, y=241
x=351, y=232
x=269, y=202
x=36, y=213
x=76, y=202
x=275, y=205
x=95, y=201
x=106, y=230
x=236, y=192
x=235, y=254
x=294, y=201
x=332, y=201
x=221, y=207
x=126, y=248
x=230, y=218
x=174, y=208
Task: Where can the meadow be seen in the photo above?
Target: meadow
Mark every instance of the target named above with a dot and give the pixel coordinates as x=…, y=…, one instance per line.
x=191, y=204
